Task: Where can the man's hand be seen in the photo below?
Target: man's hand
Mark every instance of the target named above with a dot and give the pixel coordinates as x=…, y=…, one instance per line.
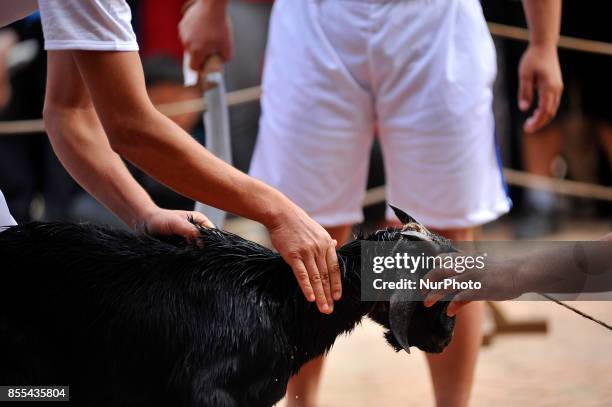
x=205, y=30
x=539, y=69
x=167, y=222
x=311, y=253
x=499, y=281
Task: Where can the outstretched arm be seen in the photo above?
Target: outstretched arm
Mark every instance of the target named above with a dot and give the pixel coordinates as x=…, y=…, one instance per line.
x=539, y=68
x=564, y=269
x=79, y=141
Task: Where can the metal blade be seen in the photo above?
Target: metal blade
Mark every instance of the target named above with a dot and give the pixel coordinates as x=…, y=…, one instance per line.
x=216, y=123
x=218, y=142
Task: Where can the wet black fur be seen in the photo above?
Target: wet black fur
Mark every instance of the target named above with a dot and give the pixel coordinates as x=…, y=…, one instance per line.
x=131, y=320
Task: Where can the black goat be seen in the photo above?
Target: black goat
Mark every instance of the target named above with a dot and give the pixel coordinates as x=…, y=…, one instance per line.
x=131, y=320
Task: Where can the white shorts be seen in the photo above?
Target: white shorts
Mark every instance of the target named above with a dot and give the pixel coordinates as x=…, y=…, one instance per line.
x=95, y=25
x=5, y=216
x=419, y=73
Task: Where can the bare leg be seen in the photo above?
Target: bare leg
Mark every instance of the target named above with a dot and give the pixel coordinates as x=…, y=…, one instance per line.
x=605, y=136
x=541, y=148
x=303, y=388
x=539, y=152
x=452, y=371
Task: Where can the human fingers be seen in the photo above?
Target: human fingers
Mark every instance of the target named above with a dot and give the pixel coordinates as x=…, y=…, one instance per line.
x=436, y=295
x=454, y=306
x=201, y=219
x=178, y=225
x=316, y=282
x=196, y=59
x=431, y=296
x=545, y=111
x=325, y=278
x=334, y=271
x=303, y=279
x=526, y=87
x=226, y=49
x=170, y=224
x=439, y=274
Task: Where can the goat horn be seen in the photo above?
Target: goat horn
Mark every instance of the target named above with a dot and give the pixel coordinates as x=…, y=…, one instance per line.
x=401, y=307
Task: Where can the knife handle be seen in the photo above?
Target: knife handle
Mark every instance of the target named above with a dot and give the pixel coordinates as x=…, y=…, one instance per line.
x=214, y=63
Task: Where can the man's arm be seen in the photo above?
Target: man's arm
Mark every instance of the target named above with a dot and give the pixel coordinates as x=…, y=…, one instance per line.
x=157, y=145
x=139, y=133
x=544, y=20
x=79, y=141
x=539, y=68
x=563, y=269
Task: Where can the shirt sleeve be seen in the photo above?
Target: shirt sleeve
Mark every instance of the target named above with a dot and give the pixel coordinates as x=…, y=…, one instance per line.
x=94, y=25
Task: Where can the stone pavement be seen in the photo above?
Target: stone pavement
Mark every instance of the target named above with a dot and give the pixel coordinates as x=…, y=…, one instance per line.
x=571, y=365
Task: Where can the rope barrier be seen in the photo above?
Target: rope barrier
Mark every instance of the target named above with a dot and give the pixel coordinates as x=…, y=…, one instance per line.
x=234, y=98
x=558, y=186
x=571, y=43
x=20, y=127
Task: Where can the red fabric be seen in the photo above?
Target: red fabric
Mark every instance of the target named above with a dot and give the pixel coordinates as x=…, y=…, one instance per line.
x=159, y=28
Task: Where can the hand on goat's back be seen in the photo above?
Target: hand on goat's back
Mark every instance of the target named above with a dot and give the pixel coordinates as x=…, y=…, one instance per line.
x=311, y=252
x=166, y=222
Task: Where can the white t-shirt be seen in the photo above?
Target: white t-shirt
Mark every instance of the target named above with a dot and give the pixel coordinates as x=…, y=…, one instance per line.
x=95, y=25
x=5, y=216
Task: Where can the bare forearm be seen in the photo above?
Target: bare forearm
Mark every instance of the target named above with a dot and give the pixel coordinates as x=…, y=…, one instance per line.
x=568, y=269
x=544, y=20
x=162, y=149
x=81, y=145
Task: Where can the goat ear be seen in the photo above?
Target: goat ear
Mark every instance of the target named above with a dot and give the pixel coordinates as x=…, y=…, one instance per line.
x=401, y=307
x=403, y=216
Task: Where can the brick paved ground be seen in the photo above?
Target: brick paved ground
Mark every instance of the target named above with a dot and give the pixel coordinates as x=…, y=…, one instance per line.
x=569, y=366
